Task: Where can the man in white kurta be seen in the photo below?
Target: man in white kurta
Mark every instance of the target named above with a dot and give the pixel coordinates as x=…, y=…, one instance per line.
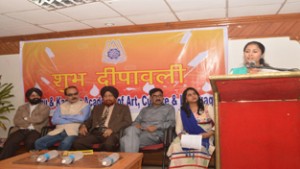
x=67, y=118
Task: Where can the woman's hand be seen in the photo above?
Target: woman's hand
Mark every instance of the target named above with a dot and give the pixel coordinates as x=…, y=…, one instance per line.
x=207, y=134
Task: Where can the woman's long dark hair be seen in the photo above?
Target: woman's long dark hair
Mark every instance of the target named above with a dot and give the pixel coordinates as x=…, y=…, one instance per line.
x=185, y=104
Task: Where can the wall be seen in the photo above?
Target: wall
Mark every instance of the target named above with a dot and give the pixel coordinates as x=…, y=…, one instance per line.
x=10, y=69
x=280, y=52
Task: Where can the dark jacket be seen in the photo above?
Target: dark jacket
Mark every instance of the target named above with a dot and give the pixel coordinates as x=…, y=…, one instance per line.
x=119, y=119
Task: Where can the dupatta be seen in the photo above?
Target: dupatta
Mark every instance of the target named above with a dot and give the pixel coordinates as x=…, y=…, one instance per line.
x=191, y=126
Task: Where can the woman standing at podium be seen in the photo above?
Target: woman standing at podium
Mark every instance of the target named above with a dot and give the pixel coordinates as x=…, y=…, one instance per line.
x=194, y=118
x=253, y=59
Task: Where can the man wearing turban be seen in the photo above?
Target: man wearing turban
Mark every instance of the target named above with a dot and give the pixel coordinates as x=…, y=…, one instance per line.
x=29, y=119
x=105, y=123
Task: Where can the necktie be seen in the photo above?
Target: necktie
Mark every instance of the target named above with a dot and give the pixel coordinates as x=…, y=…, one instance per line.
x=103, y=118
x=105, y=114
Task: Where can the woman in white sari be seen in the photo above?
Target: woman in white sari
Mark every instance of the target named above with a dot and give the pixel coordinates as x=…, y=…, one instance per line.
x=196, y=119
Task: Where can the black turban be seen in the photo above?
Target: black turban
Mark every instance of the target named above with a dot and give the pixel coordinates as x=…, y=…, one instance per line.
x=110, y=89
x=30, y=91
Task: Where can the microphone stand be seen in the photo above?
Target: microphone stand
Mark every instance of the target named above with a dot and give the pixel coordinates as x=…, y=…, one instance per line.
x=272, y=68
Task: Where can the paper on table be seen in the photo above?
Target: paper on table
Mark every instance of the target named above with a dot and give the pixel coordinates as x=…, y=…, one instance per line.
x=191, y=141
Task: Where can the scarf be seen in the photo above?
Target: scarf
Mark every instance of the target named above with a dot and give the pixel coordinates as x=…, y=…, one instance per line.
x=191, y=126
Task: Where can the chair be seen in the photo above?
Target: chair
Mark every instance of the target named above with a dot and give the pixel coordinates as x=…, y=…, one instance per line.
x=169, y=135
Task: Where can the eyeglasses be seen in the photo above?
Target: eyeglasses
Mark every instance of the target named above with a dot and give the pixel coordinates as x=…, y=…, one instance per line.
x=72, y=94
x=157, y=96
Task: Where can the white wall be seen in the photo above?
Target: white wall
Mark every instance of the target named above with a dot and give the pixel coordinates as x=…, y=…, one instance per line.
x=280, y=52
x=10, y=69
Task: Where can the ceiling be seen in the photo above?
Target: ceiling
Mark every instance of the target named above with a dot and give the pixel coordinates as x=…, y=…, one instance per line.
x=22, y=17
x=24, y=20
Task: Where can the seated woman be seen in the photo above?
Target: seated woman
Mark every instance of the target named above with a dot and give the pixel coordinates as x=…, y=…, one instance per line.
x=197, y=119
x=253, y=57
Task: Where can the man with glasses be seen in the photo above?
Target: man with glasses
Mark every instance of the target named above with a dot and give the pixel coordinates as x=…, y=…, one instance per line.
x=67, y=118
x=147, y=128
x=105, y=123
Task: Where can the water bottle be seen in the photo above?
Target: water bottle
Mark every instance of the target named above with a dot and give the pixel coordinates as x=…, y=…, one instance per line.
x=109, y=160
x=47, y=156
x=72, y=157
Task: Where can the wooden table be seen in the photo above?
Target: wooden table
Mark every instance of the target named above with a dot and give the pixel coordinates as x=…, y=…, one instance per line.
x=22, y=161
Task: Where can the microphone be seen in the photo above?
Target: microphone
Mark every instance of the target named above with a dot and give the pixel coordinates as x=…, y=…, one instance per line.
x=251, y=64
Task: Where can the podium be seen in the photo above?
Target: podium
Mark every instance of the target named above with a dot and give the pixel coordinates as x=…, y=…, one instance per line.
x=257, y=120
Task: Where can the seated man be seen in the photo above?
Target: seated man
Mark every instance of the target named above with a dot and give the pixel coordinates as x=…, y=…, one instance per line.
x=147, y=129
x=29, y=119
x=67, y=118
x=105, y=123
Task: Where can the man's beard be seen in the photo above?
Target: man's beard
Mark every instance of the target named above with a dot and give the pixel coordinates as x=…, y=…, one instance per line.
x=108, y=102
x=34, y=101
